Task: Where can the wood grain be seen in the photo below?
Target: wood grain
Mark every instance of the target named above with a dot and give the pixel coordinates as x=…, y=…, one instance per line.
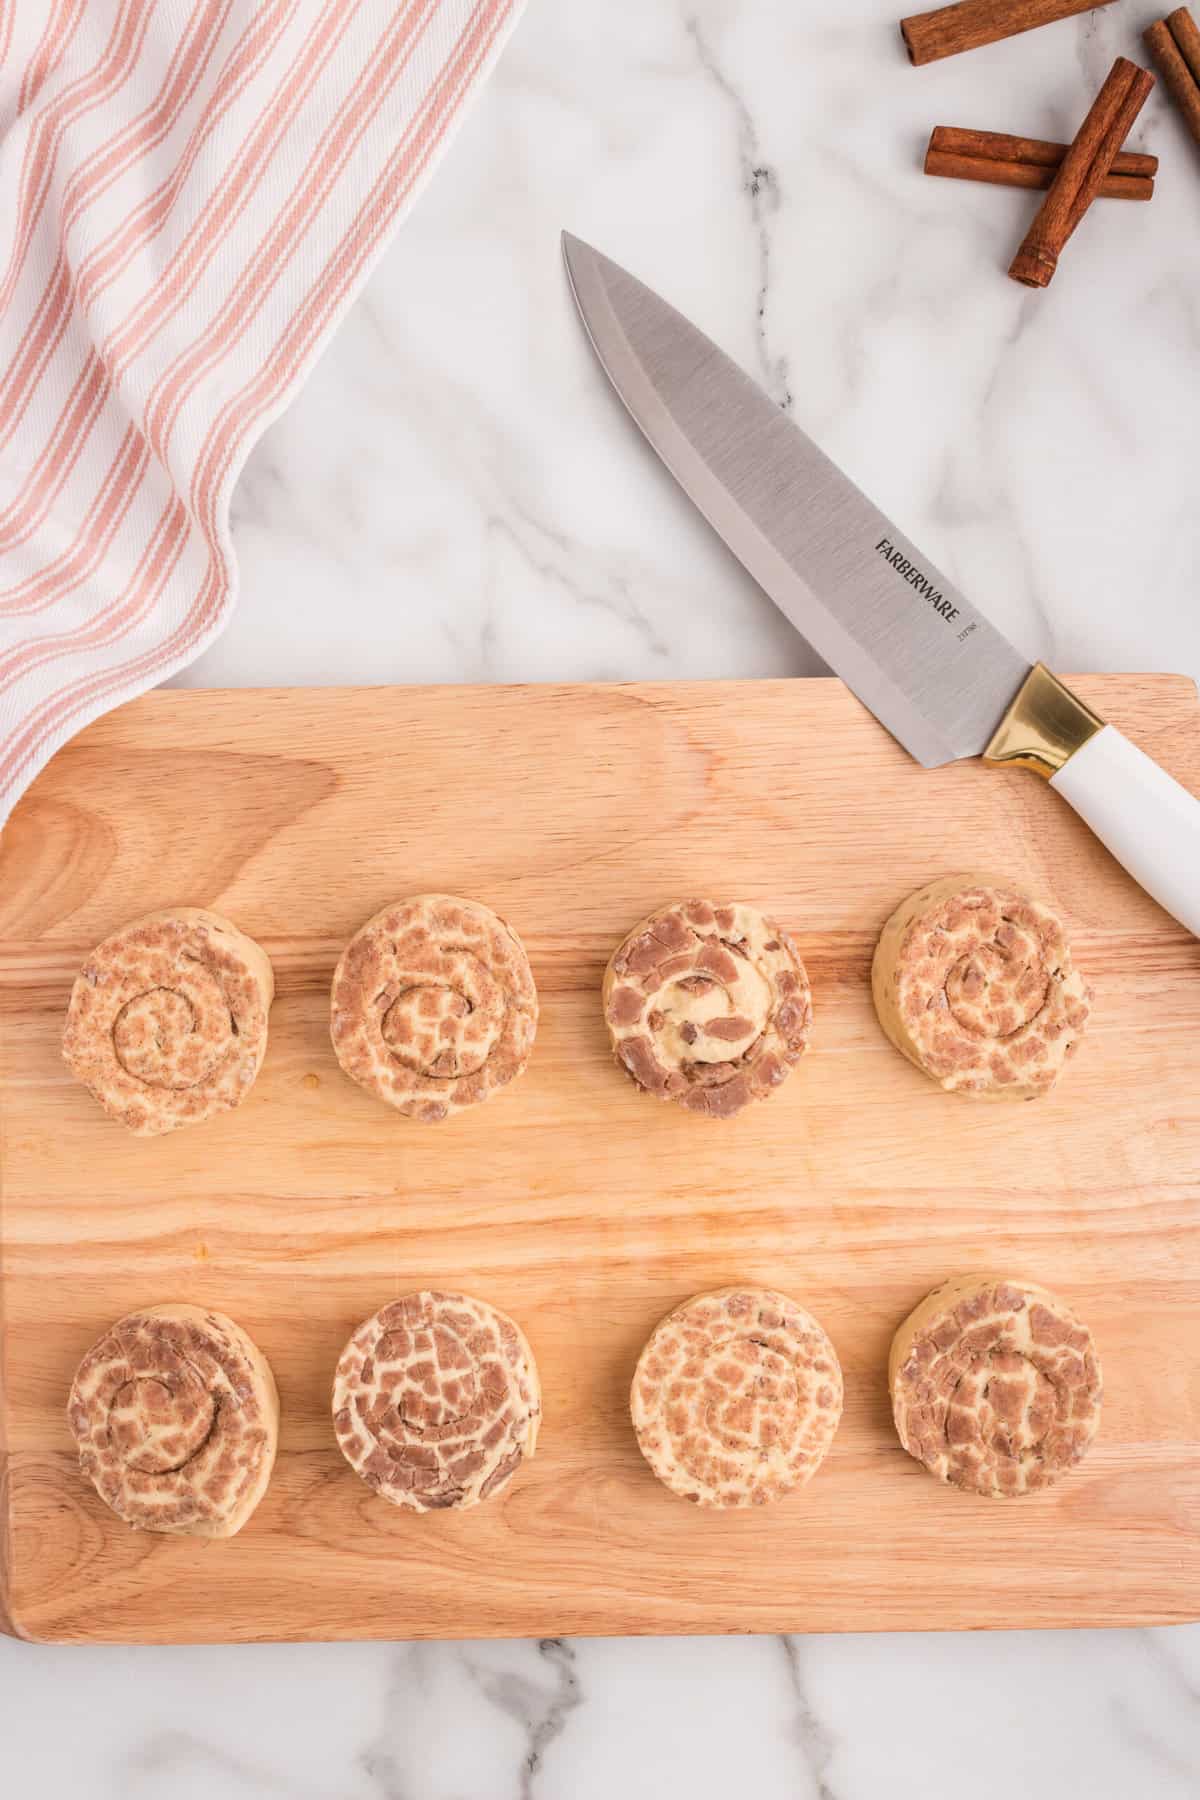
x=581, y=1207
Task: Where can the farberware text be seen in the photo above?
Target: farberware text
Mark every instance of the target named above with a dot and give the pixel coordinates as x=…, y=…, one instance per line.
x=914, y=577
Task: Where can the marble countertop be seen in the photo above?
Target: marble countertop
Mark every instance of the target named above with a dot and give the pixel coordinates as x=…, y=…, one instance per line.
x=456, y=496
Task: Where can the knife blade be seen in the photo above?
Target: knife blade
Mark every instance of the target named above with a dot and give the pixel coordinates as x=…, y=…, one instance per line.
x=931, y=667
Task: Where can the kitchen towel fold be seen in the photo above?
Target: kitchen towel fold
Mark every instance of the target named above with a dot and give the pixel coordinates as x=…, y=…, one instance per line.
x=193, y=191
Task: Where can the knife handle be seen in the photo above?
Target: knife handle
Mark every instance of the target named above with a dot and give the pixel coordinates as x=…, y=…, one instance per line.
x=1149, y=822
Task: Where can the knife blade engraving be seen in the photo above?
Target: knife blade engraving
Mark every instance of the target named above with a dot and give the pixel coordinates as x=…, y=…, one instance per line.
x=917, y=579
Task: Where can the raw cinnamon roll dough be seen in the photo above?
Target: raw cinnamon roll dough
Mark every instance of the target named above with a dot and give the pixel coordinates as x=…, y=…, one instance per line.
x=995, y=1385
x=974, y=983
x=708, y=1005
x=177, y=1420
x=436, y=1401
x=736, y=1397
x=433, y=1005
x=167, y=1022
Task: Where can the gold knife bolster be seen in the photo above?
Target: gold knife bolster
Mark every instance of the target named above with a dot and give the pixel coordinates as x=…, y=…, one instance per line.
x=1043, y=727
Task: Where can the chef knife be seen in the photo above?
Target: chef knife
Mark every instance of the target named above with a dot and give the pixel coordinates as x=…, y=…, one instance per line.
x=931, y=667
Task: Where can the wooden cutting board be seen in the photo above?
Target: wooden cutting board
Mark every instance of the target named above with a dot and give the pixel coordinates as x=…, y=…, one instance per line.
x=573, y=1202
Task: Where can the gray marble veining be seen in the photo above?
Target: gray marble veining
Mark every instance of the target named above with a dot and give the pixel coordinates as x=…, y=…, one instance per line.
x=458, y=496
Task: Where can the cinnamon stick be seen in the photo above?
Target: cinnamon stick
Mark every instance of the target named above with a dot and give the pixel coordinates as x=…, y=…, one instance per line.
x=1174, y=43
x=973, y=23
x=1077, y=182
x=1007, y=161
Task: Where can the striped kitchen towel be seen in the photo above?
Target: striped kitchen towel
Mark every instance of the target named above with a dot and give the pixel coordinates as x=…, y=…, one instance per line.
x=192, y=192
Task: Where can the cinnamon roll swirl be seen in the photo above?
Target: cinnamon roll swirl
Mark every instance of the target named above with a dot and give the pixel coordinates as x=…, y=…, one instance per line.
x=974, y=983
x=167, y=1021
x=995, y=1385
x=176, y=1418
x=736, y=1397
x=708, y=1005
x=433, y=1006
x=436, y=1401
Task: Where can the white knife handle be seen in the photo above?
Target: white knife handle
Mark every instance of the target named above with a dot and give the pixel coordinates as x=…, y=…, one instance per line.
x=1149, y=822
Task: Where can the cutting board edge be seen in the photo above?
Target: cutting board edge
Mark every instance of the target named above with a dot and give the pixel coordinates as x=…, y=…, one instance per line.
x=8, y=1617
x=9, y=1626
x=1186, y=684
x=565, y=1626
